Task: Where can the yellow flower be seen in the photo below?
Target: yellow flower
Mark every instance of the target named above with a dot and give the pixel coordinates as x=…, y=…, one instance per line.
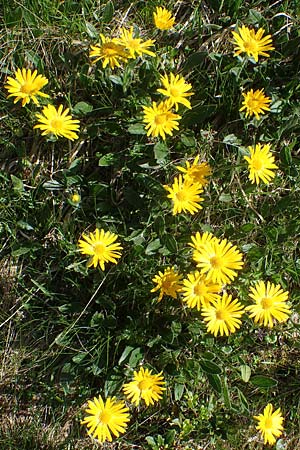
x=145, y=386
x=219, y=259
x=135, y=46
x=185, y=195
x=168, y=283
x=26, y=86
x=196, y=172
x=270, y=424
x=261, y=163
x=57, y=122
x=270, y=304
x=75, y=198
x=255, y=103
x=100, y=247
x=163, y=18
x=110, y=52
x=199, y=241
x=176, y=89
x=160, y=120
x=199, y=290
x=106, y=418
x=254, y=44
x=223, y=315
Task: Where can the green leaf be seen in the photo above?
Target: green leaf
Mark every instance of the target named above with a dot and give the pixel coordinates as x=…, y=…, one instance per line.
x=226, y=395
x=52, y=185
x=194, y=60
x=136, y=128
x=215, y=382
x=188, y=140
x=245, y=372
x=198, y=115
x=116, y=79
x=107, y=160
x=79, y=357
x=21, y=251
x=161, y=152
x=226, y=198
x=254, y=17
x=82, y=108
x=178, y=391
x=127, y=350
x=170, y=242
x=24, y=225
x=243, y=400
x=176, y=328
x=135, y=357
x=91, y=30
x=210, y=367
x=108, y=12
x=263, y=381
x=17, y=183
x=152, y=246
x=232, y=139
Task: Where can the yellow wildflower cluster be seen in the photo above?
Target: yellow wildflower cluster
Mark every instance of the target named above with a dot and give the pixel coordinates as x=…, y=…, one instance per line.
x=218, y=261
x=110, y=418
x=26, y=86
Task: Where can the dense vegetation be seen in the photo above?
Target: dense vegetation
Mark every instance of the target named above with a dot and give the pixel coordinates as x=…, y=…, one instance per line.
x=69, y=332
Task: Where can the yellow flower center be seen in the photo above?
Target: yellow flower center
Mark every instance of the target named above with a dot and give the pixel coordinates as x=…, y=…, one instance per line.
x=200, y=289
x=110, y=49
x=99, y=249
x=253, y=104
x=221, y=315
x=104, y=417
x=56, y=124
x=181, y=196
x=144, y=384
x=174, y=92
x=257, y=164
x=267, y=302
x=216, y=262
x=250, y=46
x=27, y=88
x=269, y=422
x=160, y=119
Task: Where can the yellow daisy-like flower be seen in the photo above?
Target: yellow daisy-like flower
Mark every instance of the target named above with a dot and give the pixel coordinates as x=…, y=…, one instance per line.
x=219, y=260
x=145, y=386
x=261, y=164
x=106, y=418
x=160, y=119
x=199, y=290
x=101, y=247
x=255, y=103
x=168, y=283
x=223, y=315
x=198, y=173
x=26, y=86
x=270, y=424
x=270, y=303
x=135, y=46
x=176, y=89
x=254, y=44
x=185, y=196
x=199, y=241
x=57, y=122
x=163, y=18
x=110, y=52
